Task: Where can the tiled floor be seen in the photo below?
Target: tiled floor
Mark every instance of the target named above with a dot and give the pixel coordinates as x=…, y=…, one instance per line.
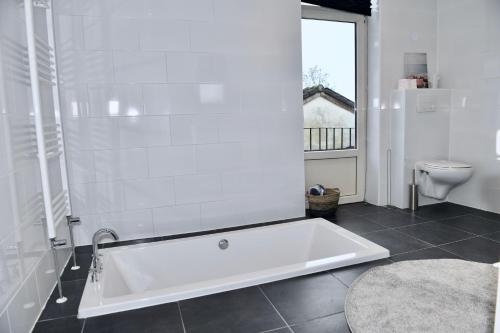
x=313, y=303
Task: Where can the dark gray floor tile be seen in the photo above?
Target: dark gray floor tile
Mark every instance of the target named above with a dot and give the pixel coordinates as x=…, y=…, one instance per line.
x=242, y=310
x=442, y=211
x=395, y=218
x=494, y=236
x=348, y=274
x=307, y=297
x=162, y=318
x=363, y=208
x=396, y=242
x=62, y=325
x=358, y=224
x=341, y=213
x=430, y=253
x=73, y=291
x=488, y=215
x=83, y=260
x=435, y=233
x=331, y=324
x=476, y=249
x=472, y=223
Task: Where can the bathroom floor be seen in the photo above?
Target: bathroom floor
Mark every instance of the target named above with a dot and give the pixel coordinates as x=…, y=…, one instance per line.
x=313, y=303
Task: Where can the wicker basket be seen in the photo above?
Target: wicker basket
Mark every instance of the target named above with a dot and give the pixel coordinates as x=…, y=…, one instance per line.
x=324, y=205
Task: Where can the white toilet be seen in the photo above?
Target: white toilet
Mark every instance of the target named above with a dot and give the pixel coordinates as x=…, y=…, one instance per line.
x=436, y=179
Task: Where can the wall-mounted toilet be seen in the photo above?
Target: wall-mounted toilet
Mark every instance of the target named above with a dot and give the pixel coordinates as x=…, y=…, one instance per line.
x=436, y=179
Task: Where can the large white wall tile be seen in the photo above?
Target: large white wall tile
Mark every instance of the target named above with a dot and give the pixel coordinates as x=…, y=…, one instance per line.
x=74, y=101
x=164, y=35
x=115, y=100
x=129, y=224
x=91, y=133
x=219, y=157
x=184, y=98
x=149, y=193
x=115, y=34
x=194, y=129
x=136, y=67
x=144, y=131
x=4, y=322
x=156, y=99
x=13, y=277
x=6, y=207
x=177, y=219
x=189, y=10
x=121, y=164
x=69, y=32
x=171, y=161
x=81, y=167
x=197, y=188
x=87, y=67
x=187, y=67
x=46, y=276
x=25, y=307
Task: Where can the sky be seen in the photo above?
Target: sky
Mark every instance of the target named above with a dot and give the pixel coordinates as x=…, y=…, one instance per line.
x=331, y=46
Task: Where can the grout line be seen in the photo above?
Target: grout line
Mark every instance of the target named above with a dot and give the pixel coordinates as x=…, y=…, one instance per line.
x=490, y=239
x=83, y=326
x=436, y=246
x=451, y=253
x=182, y=318
x=274, y=307
x=336, y=278
x=275, y=329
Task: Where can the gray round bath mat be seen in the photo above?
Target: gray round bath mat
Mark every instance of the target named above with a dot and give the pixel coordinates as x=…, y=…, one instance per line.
x=444, y=295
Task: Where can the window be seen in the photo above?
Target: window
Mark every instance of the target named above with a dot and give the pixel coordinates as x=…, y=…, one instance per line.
x=329, y=84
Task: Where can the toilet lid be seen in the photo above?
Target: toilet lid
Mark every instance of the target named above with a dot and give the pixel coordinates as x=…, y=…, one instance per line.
x=442, y=164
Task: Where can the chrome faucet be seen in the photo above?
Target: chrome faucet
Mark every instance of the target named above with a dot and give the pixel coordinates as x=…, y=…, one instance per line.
x=96, y=267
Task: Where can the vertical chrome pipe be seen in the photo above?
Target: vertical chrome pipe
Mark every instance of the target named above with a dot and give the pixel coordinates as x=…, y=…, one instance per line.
x=53, y=245
x=73, y=220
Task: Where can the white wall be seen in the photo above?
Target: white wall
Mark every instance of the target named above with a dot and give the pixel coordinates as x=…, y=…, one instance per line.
x=461, y=39
x=181, y=116
x=26, y=268
x=469, y=63
x=399, y=26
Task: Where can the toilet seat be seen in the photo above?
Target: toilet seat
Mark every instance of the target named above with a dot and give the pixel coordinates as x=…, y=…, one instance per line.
x=445, y=165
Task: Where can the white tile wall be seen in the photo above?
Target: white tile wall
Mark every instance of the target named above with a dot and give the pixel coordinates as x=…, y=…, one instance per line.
x=194, y=129
x=140, y=66
x=158, y=34
x=4, y=322
x=400, y=26
x=468, y=61
x=172, y=109
x=171, y=161
x=24, y=305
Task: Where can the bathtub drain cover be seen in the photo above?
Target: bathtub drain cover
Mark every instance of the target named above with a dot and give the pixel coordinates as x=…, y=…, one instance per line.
x=223, y=244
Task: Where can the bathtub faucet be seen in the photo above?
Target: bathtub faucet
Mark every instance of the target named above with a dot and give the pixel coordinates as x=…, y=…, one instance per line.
x=96, y=267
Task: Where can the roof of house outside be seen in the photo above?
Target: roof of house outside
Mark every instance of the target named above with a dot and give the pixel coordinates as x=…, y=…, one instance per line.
x=311, y=93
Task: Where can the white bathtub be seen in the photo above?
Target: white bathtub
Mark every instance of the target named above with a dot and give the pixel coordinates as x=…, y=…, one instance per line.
x=153, y=273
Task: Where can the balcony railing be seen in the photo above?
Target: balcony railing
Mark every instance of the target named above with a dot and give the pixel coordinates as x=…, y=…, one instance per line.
x=329, y=138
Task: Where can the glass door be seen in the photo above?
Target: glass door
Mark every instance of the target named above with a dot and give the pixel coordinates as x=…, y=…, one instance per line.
x=334, y=99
